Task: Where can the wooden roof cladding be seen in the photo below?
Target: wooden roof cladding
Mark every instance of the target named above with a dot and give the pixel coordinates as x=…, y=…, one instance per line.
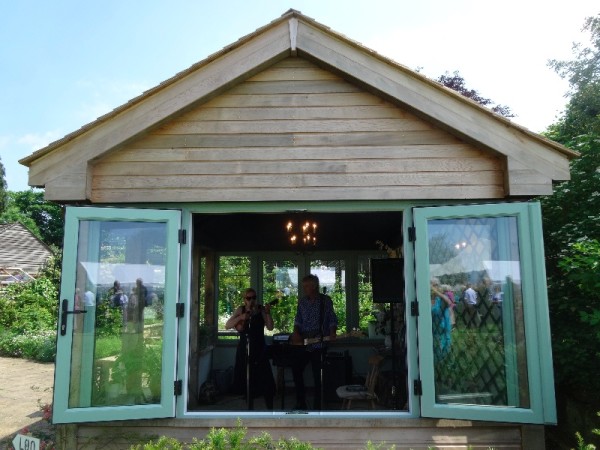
x=250, y=123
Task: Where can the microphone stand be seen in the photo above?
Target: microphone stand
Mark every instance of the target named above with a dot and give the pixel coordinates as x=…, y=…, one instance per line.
x=249, y=398
x=322, y=349
x=393, y=339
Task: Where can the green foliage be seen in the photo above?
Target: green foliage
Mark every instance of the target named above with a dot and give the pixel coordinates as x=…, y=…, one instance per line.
x=107, y=346
x=44, y=219
x=109, y=320
x=3, y=192
x=572, y=225
x=234, y=278
x=30, y=306
x=36, y=345
x=162, y=443
x=457, y=83
x=581, y=444
x=227, y=439
x=28, y=314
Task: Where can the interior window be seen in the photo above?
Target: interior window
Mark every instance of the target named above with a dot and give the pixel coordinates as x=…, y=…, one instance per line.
x=280, y=288
x=234, y=278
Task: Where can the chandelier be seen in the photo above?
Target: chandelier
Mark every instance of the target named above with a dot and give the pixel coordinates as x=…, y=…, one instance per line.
x=305, y=233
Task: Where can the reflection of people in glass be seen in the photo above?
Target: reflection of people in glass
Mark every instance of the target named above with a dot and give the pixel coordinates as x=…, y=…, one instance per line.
x=119, y=299
x=447, y=290
x=250, y=321
x=141, y=294
x=141, y=291
x=497, y=297
x=315, y=317
x=440, y=318
x=472, y=317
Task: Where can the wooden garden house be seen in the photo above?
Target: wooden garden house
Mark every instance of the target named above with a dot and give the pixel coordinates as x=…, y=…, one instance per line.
x=184, y=196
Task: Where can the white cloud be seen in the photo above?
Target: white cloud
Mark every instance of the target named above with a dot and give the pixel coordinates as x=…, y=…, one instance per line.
x=35, y=141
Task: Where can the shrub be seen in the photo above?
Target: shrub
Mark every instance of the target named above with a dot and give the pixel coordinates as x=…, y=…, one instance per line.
x=39, y=346
x=227, y=439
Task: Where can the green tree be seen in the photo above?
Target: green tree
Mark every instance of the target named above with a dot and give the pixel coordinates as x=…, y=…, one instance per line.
x=583, y=74
x=2, y=187
x=44, y=219
x=456, y=82
x=572, y=226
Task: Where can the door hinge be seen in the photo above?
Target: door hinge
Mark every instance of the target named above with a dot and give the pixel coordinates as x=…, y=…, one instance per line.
x=418, y=387
x=414, y=308
x=412, y=234
x=178, y=387
x=182, y=239
x=179, y=310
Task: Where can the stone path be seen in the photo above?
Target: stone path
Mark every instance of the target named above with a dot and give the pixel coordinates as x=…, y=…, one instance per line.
x=22, y=384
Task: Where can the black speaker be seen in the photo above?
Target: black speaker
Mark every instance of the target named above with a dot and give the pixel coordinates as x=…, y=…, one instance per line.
x=387, y=279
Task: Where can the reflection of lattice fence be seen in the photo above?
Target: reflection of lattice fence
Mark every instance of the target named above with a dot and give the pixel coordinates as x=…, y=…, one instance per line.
x=472, y=370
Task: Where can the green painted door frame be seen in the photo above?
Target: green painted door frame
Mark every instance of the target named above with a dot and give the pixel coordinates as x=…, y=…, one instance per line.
x=76, y=219
x=540, y=381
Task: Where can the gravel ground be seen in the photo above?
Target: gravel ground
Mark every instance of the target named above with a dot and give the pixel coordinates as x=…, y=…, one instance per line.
x=24, y=385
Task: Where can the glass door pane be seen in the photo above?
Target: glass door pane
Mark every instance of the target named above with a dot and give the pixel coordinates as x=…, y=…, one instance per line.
x=476, y=299
x=120, y=283
x=479, y=282
x=116, y=346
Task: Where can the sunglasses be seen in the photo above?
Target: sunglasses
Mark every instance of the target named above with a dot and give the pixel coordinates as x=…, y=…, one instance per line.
x=251, y=298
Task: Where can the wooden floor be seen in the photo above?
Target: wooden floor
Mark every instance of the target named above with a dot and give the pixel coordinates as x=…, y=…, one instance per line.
x=234, y=402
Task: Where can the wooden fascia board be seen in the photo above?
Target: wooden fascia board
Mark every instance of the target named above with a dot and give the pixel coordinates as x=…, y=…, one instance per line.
x=234, y=66
x=431, y=101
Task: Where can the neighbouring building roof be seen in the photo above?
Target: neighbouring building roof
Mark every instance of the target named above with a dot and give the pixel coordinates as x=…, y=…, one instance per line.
x=21, y=249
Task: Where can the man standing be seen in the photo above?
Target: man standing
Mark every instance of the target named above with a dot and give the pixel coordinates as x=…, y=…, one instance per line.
x=470, y=300
x=315, y=319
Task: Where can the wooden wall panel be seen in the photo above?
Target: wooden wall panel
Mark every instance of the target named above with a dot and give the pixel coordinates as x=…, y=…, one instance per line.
x=297, y=132
x=348, y=433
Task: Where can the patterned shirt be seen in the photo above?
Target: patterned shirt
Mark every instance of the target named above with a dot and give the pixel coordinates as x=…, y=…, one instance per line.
x=307, y=316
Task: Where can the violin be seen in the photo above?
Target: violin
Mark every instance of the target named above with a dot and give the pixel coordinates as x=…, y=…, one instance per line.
x=241, y=326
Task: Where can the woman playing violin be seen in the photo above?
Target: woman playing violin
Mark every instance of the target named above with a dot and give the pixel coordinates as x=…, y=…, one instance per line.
x=250, y=321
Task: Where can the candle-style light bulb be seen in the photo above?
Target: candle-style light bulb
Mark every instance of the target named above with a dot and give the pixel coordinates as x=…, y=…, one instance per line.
x=289, y=226
x=314, y=226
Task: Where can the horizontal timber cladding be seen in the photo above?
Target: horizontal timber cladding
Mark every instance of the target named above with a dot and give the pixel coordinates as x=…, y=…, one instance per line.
x=403, y=434
x=297, y=132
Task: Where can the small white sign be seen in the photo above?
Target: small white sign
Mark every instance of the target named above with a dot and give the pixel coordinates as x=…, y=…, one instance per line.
x=22, y=442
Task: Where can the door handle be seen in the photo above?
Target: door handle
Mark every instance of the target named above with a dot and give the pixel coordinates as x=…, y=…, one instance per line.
x=63, y=315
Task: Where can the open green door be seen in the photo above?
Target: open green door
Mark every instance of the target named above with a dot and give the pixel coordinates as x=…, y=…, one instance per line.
x=484, y=334
x=117, y=324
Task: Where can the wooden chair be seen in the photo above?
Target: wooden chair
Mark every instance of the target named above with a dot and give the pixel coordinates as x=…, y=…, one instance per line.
x=364, y=392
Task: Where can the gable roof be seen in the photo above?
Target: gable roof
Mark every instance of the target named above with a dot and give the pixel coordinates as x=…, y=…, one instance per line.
x=21, y=249
x=296, y=34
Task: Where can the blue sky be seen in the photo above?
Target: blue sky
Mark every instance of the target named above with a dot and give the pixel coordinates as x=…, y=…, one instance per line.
x=65, y=62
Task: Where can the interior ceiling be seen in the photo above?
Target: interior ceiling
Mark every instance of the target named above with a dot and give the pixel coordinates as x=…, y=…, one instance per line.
x=267, y=232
